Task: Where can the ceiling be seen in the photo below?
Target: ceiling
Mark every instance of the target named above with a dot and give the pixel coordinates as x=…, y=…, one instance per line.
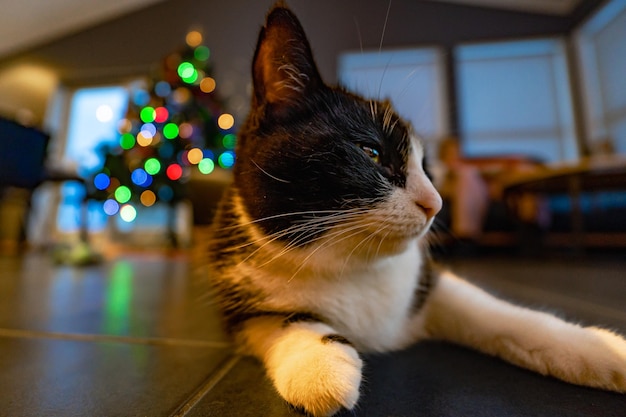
x=27, y=23
x=557, y=7
x=33, y=22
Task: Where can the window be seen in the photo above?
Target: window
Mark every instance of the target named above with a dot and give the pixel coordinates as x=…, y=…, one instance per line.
x=601, y=44
x=413, y=80
x=93, y=119
x=514, y=98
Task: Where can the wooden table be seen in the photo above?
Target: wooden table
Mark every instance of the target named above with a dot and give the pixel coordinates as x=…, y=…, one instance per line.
x=588, y=175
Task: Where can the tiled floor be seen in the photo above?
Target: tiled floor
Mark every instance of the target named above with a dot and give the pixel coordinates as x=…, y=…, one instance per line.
x=138, y=336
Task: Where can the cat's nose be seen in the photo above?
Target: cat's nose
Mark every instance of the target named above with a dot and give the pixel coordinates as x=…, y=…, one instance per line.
x=430, y=202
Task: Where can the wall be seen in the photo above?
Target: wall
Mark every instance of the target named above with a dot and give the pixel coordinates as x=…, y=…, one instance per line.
x=131, y=45
x=25, y=89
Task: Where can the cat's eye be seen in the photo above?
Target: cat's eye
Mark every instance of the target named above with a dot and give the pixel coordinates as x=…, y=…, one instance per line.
x=372, y=153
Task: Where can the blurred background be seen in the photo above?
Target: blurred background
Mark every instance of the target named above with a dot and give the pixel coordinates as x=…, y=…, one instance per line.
x=119, y=118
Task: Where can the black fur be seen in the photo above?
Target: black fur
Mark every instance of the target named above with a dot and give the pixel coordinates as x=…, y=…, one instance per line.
x=303, y=154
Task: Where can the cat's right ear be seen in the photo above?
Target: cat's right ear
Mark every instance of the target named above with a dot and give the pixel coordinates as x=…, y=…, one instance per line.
x=283, y=70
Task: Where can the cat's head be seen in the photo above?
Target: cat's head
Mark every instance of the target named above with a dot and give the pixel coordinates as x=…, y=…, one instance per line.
x=317, y=163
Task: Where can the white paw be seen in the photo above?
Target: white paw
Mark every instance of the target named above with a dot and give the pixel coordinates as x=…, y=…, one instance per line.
x=319, y=376
x=588, y=356
x=607, y=366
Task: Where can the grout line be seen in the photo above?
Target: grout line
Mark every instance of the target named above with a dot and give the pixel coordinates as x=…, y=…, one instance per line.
x=156, y=341
x=207, y=386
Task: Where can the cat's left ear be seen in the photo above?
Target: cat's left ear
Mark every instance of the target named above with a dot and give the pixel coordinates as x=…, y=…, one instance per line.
x=283, y=69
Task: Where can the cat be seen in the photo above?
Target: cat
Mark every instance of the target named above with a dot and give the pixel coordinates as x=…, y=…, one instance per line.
x=318, y=249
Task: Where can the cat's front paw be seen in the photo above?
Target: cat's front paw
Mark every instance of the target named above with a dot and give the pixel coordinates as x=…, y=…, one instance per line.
x=609, y=368
x=320, y=374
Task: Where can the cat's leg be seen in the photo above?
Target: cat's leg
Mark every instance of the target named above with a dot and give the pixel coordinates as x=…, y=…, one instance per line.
x=459, y=312
x=311, y=366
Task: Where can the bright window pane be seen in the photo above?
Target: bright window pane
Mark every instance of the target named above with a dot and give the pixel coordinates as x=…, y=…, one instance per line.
x=94, y=116
x=602, y=50
x=514, y=99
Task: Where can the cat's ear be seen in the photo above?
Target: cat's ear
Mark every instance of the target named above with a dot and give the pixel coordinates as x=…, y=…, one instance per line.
x=283, y=69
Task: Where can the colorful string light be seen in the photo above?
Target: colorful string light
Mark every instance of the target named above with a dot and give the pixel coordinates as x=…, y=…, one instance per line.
x=141, y=178
x=110, y=207
x=206, y=166
x=148, y=198
x=152, y=166
x=193, y=38
x=226, y=121
x=227, y=159
x=194, y=156
x=101, y=181
x=161, y=115
x=122, y=194
x=202, y=53
x=127, y=141
x=185, y=130
x=162, y=89
x=128, y=213
x=170, y=131
x=147, y=114
x=207, y=85
x=229, y=141
x=174, y=172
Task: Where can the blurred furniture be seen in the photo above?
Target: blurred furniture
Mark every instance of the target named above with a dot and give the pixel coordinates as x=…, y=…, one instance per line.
x=23, y=164
x=474, y=207
x=589, y=175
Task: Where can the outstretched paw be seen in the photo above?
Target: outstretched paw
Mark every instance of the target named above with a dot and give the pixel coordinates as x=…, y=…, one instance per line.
x=610, y=368
x=320, y=374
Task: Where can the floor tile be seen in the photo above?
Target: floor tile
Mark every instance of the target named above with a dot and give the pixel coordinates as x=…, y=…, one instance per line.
x=52, y=377
x=585, y=290
x=244, y=392
x=135, y=296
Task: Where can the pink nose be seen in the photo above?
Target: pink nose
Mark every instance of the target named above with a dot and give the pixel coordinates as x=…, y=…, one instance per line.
x=430, y=202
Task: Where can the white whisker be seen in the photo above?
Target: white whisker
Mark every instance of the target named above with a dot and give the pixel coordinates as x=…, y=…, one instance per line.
x=268, y=174
x=382, y=36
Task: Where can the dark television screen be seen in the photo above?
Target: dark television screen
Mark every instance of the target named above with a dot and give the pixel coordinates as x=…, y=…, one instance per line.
x=22, y=154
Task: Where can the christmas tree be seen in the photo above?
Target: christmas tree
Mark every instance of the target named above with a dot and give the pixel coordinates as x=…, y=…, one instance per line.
x=174, y=124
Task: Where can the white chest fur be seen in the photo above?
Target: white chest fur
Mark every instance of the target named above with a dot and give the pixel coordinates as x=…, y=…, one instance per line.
x=369, y=305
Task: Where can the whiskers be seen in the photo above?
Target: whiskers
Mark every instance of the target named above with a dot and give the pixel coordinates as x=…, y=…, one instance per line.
x=382, y=36
x=304, y=243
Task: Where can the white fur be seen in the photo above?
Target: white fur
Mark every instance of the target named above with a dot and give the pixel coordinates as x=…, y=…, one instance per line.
x=366, y=305
x=321, y=377
x=461, y=313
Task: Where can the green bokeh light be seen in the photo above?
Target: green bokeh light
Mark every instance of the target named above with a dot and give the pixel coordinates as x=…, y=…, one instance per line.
x=186, y=70
x=229, y=141
x=202, y=53
x=127, y=141
x=192, y=78
x=122, y=194
x=206, y=166
x=152, y=166
x=147, y=114
x=170, y=131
